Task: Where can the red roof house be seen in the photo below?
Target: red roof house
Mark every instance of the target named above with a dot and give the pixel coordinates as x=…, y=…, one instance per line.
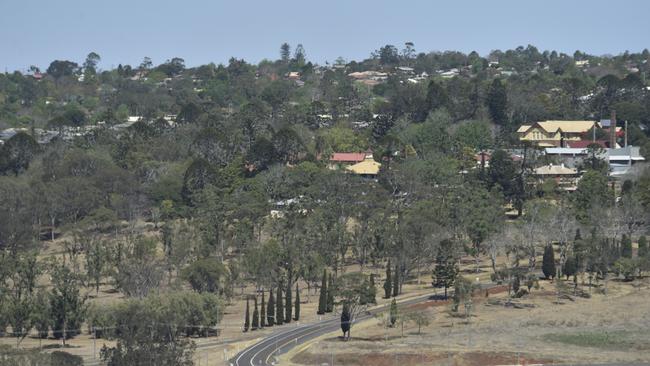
x=347, y=158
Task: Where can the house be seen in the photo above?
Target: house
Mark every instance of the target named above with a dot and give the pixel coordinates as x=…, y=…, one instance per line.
x=554, y=133
x=621, y=160
x=338, y=160
x=565, y=177
x=368, y=168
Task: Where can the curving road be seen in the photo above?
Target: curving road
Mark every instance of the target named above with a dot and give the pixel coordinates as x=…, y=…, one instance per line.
x=264, y=352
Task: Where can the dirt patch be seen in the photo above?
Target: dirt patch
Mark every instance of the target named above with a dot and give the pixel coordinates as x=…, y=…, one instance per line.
x=420, y=358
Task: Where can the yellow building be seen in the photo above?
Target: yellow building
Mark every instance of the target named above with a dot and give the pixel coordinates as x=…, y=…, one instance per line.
x=554, y=133
x=367, y=168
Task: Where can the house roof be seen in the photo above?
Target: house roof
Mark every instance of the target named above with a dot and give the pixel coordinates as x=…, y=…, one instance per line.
x=555, y=170
x=366, y=167
x=564, y=126
x=584, y=143
x=348, y=157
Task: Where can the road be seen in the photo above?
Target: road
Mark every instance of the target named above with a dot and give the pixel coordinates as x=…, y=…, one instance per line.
x=264, y=352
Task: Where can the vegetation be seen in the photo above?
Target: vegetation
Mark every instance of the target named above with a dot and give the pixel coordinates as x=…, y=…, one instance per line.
x=176, y=185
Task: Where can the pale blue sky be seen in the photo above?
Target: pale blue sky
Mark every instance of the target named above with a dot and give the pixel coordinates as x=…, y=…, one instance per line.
x=37, y=32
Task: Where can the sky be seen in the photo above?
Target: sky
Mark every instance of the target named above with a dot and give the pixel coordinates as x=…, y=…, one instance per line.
x=39, y=31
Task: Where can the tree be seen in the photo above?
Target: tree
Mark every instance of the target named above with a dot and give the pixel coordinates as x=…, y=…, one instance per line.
x=643, y=247
x=351, y=288
x=154, y=331
x=296, y=312
x=592, y=190
x=288, y=308
x=396, y=281
x=372, y=294
x=247, y=317
x=17, y=153
x=270, y=310
x=205, y=275
x=437, y=96
x=446, y=270
x=67, y=306
x=330, y=295
x=497, y=102
x=263, y=312
x=420, y=318
x=548, y=262
x=322, y=298
x=256, y=316
x=90, y=65
x=626, y=246
x=59, y=68
x=463, y=289
x=392, y=317
x=279, y=308
x=570, y=267
x=388, y=282
x=96, y=261
x=346, y=321
x=285, y=52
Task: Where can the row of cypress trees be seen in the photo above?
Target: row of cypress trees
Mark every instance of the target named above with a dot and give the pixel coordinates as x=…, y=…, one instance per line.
x=273, y=313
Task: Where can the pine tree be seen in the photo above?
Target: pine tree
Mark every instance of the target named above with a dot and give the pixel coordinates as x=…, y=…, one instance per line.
x=392, y=315
x=322, y=299
x=388, y=287
x=279, y=307
x=256, y=316
x=626, y=246
x=548, y=262
x=396, y=281
x=263, y=312
x=330, y=295
x=270, y=310
x=497, y=102
x=643, y=247
x=288, y=308
x=296, y=312
x=247, y=319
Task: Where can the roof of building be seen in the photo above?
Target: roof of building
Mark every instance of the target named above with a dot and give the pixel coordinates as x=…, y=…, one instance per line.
x=584, y=143
x=564, y=126
x=348, y=157
x=555, y=170
x=366, y=167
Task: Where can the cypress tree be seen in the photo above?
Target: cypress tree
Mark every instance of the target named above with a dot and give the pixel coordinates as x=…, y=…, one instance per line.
x=396, y=281
x=247, y=319
x=322, y=299
x=372, y=291
x=548, y=262
x=392, y=316
x=570, y=267
x=626, y=246
x=288, y=308
x=388, y=282
x=330, y=295
x=263, y=312
x=279, y=307
x=643, y=247
x=296, y=312
x=346, y=320
x=270, y=310
x=256, y=316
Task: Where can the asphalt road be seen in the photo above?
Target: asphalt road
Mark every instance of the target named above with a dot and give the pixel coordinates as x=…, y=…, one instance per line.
x=264, y=352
